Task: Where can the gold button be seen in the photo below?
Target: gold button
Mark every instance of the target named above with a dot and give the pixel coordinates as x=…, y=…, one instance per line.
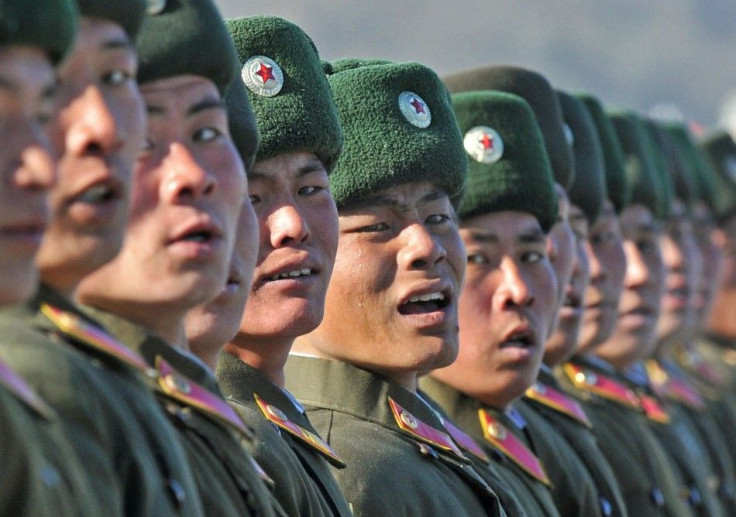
x=497, y=431
x=409, y=419
x=276, y=412
x=178, y=382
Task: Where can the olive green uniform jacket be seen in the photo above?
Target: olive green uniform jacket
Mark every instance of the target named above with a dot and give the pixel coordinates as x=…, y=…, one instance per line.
x=134, y=464
x=575, y=428
x=644, y=472
x=534, y=495
x=228, y=478
x=41, y=474
x=284, y=443
x=399, y=459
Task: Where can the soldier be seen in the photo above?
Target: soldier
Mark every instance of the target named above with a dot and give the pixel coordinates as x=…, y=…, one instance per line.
x=391, y=307
x=546, y=397
x=41, y=473
x=189, y=186
x=289, y=190
x=134, y=464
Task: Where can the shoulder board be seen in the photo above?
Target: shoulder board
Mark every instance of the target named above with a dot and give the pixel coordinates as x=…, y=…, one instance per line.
x=654, y=410
x=672, y=388
x=23, y=391
x=314, y=441
x=506, y=442
x=187, y=392
x=601, y=385
x=465, y=441
x=94, y=337
x=414, y=427
x=555, y=399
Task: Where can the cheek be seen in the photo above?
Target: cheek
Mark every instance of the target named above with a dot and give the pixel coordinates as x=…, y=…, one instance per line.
x=323, y=222
x=456, y=255
x=130, y=117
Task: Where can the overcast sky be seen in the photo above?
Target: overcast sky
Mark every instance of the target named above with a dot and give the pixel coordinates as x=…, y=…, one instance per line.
x=631, y=53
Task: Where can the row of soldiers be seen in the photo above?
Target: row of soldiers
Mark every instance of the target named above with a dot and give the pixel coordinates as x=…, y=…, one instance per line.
x=239, y=280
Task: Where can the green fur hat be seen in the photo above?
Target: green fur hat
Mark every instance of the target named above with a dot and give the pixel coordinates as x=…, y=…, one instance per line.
x=535, y=90
x=617, y=186
x=642, y=171
x=399, y=128
x=720, y=149
x=128, y=14
x=287, y=88
x=701, y=176
x=674, y=163
x=508, y=166
x=46, y=24
x=185, y=37
x=588, y=190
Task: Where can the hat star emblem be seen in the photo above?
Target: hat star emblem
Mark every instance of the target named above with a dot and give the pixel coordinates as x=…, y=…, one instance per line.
x=263, y=76
x=265, y=72
x=415, y=110
x=483, y=144
x=418, y=105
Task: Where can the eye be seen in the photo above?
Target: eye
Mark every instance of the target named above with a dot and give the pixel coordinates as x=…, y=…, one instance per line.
x=254, y=199
x=379, y=227
x=477, y=258
x=308, y=191
x=147, y=145
x=206, y=134
x=532, y=257
x=116, y=77
x=437, y=219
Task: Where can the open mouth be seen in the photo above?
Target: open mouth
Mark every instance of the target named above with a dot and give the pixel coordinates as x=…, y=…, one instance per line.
x=425, y=303
x=572, y=300
x=200, y=236
x=518, y=339
x=294, y=273
x=97, y=194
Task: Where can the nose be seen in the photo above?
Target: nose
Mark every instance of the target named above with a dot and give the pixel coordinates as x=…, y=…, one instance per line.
x=420, y=250
x=637, y=272
x=185, y=179
x=597, y=272
x=36, y=168
x=91, y=125
x=286, y=224
x=513, y=290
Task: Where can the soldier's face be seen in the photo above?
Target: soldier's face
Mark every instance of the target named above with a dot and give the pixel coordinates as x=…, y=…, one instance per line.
x=638, y=310
x=297, y=219
x=710, y=241
x=607, y=269
x=561, y=251
x=563, y=341
x=98, y=132
x=27, y=169
x=504, y=307
x=682, y=261
x=188, y=189
x=392, y=303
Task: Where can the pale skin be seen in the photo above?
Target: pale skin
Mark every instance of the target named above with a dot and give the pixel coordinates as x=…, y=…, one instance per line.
x=298, y=228
x=638, y=308
x=504, y=308
x=562, y=344
x=189, y=187
x=27, y=89
x=607, y=269
x=97, y=133
x=395, y=246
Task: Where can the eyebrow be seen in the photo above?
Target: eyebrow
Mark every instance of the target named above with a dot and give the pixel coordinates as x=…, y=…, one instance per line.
x=199, y=107
x=118, y=44
x=526, y=236
x=392, y=202
x=16, y=88
x=304, y=170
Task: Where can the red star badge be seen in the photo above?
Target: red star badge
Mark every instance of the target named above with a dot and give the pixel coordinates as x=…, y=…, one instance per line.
x=418, y=105
x=265, y=73
x=486, y=141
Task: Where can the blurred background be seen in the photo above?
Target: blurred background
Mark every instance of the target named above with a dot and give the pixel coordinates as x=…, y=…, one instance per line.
x=674, y=58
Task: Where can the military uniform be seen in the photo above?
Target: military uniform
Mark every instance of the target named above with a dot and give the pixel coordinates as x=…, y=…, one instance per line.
x=642, y=468
x=504, y=442
x=41, y=474
x=285, y=444
x=134, y=463
x=384, y=432
x=567, y=417
x=229, y=481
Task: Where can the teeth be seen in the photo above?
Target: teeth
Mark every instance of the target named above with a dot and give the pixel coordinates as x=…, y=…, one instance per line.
x=426, y=297
x=292, y=274
x=95, y=194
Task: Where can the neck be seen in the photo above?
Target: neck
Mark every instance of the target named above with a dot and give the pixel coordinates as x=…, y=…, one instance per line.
x=268, y=355
x=721, y=319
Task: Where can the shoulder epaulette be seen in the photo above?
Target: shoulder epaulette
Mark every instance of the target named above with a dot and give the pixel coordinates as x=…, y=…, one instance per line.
x=93, y=337
x=654, y=410
x=513, y=448
x=422, y=431
x=187, y=392
x=465, y=441
x=602, y=385
x=555, y=399
x=23, y=391
x=672, y=388
x=313, y=440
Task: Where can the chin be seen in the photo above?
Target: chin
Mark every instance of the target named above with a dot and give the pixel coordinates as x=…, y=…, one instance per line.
x=434, y=352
